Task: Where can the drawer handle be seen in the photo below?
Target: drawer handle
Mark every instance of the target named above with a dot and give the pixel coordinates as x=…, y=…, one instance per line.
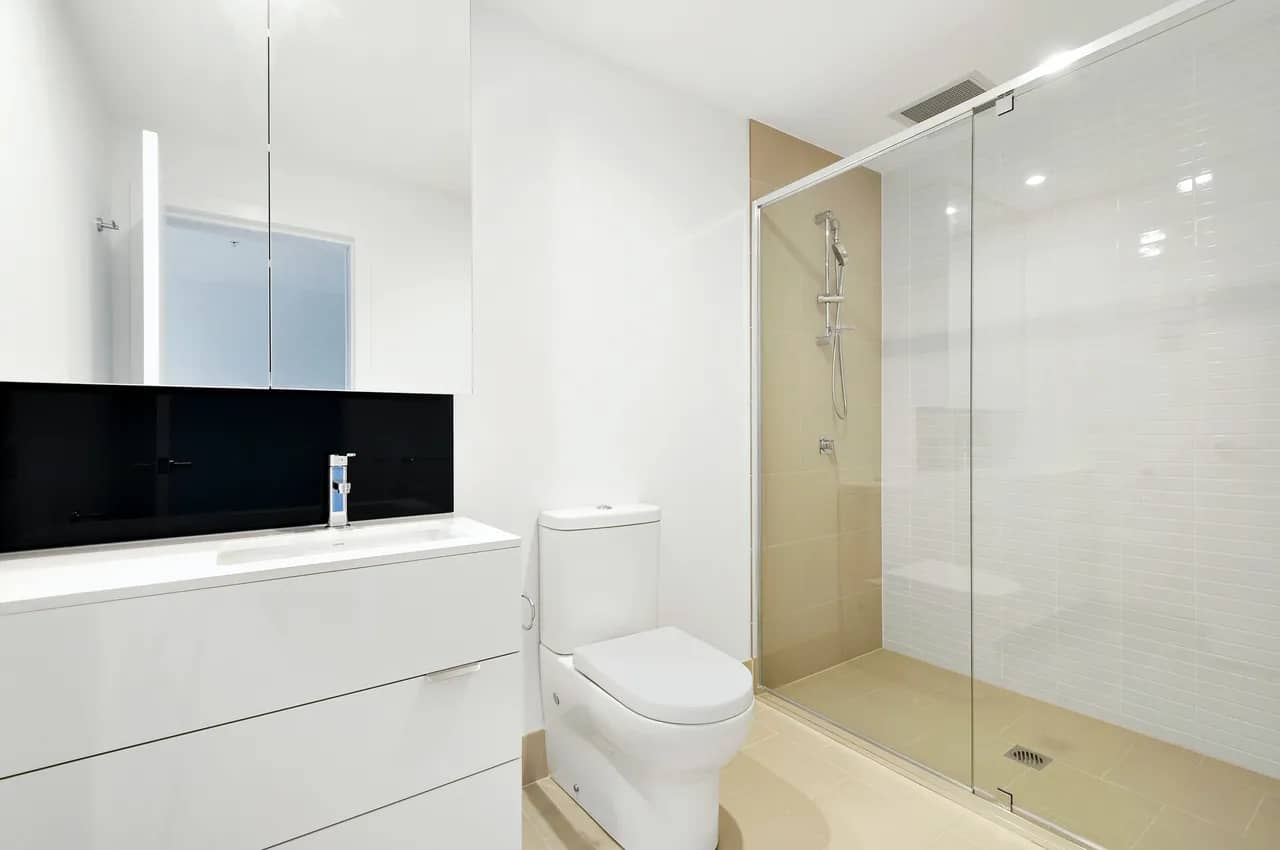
x=453, y=672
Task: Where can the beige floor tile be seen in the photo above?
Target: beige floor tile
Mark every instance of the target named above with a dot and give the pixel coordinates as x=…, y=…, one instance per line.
x=949, y=753
x=894, y=717
x=806, y=762
x=765, y=723
x=1065, y=736
x=842, y=679
x=561, y=822
x=1177, y=830
x=1264, y=828
x=923, y=712
x=795, y=789
x=860, y=815
x=996, y=709
x=1205, y=787
x=531, y=836
x=974, y=832
x=1106, y=814
x=760, y=809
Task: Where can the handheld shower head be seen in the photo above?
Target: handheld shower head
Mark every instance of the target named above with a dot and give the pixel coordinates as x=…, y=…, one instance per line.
x=841, y=252
x=828, y=218
x=837, y=247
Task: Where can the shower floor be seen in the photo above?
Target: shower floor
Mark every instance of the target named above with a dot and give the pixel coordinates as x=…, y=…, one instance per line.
x=1115, y=787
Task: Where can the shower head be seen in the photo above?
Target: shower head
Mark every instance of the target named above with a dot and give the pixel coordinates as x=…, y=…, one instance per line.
x=837, y=247
x=841, y=252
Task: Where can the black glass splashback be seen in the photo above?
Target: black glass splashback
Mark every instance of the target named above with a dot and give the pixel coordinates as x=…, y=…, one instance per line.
x=84, y=464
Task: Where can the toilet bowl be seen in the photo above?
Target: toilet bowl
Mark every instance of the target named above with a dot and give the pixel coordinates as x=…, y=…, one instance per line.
x=639, y=719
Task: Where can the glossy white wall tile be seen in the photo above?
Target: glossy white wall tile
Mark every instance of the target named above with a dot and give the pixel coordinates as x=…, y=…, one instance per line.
x=925, y=513
x=1126, y=395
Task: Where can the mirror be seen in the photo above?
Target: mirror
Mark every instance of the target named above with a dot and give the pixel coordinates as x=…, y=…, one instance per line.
x=370, y=194
x=121, y=113
x=161, y=226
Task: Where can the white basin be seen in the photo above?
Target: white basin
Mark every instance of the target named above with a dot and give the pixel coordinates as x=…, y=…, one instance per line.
x=35, y=581
x=326, y=541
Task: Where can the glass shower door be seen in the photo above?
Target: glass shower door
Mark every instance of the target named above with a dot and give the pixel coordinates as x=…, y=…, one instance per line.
x=864, y=606
x=1126, y=476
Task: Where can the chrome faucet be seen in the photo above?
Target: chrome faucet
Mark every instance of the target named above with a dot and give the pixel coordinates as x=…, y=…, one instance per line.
x=339, y=489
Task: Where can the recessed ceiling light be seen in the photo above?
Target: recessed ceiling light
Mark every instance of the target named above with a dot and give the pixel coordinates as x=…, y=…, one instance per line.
x=1150, y=237
x=952, y=210
x=1036, y=179
x=1185, y=185
x=1202, y=179
x=1056, y=61
x=1151, y=250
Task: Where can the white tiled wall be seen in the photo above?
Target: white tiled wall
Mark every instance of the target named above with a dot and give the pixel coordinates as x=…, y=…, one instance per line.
x=925, y=398
x=1126, y=397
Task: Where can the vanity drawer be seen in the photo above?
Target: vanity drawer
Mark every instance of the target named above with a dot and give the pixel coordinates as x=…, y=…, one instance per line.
x=85, y=680
x=481, y=812
x=248, y=785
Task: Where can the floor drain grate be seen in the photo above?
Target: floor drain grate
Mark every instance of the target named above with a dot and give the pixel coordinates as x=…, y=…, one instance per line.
x=1030, y=758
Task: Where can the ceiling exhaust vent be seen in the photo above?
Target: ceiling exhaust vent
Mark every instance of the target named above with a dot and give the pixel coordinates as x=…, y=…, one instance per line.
x=942, y=100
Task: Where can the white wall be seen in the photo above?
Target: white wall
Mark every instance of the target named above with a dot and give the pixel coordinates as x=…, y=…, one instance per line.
x=55, y=324
x=610, y=319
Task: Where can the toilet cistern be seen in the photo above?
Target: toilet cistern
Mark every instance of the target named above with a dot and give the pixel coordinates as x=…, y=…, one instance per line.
x=339, y=488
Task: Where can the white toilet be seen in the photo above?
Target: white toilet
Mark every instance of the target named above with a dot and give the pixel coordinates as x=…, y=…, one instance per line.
x=639, y=719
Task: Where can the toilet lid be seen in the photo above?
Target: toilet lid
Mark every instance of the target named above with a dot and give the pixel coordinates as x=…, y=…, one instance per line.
x=668, y=675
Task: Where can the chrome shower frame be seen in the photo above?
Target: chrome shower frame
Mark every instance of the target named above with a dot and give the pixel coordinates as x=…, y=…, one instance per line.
x=998, y=96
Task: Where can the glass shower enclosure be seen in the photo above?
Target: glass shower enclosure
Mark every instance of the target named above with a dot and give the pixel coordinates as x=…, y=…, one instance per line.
x=1036, y=552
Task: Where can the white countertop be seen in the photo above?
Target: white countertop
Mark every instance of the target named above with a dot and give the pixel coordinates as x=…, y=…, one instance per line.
x=59, y=578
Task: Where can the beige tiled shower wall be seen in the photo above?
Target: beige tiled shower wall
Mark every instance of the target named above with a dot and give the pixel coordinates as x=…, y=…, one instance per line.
x=820, y=514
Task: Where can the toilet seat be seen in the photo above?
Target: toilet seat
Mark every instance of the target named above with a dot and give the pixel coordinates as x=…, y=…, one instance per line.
x=668, y=675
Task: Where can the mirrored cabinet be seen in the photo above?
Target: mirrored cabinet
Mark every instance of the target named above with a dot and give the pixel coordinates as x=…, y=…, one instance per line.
x=237, y=194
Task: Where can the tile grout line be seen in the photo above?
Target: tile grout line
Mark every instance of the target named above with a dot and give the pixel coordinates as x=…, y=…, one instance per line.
x=1256, y=810
x=1137, y=841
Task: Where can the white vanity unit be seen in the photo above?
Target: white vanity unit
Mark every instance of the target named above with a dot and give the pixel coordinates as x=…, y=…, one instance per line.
x=316, y=689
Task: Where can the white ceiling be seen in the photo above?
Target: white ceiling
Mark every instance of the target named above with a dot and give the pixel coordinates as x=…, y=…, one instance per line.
x=830, y=71
x=382, y=85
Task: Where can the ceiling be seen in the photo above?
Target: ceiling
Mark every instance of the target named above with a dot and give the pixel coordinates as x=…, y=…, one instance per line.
x=392, y=75
x=829, y=71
